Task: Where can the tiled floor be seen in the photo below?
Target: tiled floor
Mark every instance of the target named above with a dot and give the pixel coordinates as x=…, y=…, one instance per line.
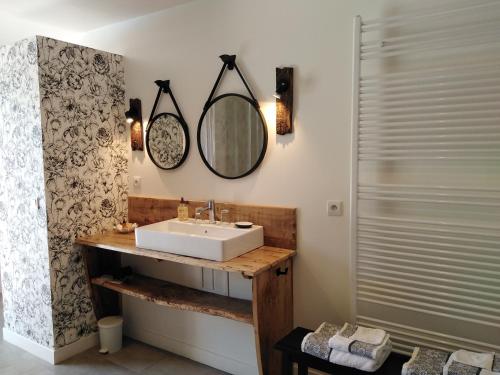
x=134, y=358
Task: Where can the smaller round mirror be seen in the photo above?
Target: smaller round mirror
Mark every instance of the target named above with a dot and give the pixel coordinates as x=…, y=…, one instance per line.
x=232, y=136
x=167, y=141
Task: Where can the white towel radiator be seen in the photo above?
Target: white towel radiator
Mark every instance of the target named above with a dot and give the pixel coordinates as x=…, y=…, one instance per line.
x=425, y=204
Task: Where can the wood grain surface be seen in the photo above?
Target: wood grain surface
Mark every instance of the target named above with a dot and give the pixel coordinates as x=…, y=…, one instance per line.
x=181, y=297
x=272, y=313
x=250, y=264
x=284, y=105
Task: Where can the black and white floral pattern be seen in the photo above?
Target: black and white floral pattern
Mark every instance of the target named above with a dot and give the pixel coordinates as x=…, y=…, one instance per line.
x=457, y=368
x=66, y=147
x=426, y=361
x=316, y=343
x=82, y=93
x=166, y=141
x=24, y=252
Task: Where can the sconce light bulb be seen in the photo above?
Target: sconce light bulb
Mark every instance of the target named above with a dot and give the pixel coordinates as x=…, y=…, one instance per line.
x=130, y=120
x=281, y=87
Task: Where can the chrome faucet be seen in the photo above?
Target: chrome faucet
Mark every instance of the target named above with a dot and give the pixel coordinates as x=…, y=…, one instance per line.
x=210, y=207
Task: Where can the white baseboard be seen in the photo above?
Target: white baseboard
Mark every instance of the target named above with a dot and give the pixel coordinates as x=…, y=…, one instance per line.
x=187, y=350
x=40, y=351
x=50, y=355
x=68, y=351
x=167, y=343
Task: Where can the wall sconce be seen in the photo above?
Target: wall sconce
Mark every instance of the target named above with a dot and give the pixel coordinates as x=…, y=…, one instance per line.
x=134, y=118
x=284, y=100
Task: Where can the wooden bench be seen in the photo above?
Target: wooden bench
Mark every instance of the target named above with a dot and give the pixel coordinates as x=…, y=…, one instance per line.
x=290, y=348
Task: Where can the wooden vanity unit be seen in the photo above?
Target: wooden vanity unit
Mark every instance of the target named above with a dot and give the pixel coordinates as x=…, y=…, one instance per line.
x=269, y=267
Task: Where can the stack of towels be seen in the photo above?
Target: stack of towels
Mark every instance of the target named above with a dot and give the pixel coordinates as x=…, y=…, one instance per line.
x=353, y=346
x=463, y=362
x=425, y=361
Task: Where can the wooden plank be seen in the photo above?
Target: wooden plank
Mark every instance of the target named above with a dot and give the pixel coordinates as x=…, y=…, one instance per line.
x=250, y=264
x=180, y=297
x=280, y=223
x=284, y=105
x=273, y=314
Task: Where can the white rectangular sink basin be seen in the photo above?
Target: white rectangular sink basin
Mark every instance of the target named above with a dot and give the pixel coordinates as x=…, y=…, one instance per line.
x=199, y=239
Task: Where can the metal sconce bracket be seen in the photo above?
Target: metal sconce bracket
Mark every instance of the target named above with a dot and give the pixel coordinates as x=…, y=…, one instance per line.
x=284, y=100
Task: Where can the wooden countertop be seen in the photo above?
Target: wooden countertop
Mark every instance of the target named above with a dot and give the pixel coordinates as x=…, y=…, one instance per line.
x=250, y=264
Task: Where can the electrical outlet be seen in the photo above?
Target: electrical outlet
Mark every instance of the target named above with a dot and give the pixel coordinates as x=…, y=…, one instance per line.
x=334, y=208
x=137, y=182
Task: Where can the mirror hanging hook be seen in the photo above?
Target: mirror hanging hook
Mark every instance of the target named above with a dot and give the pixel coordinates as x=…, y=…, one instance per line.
x=229, y=63
x=229, y=60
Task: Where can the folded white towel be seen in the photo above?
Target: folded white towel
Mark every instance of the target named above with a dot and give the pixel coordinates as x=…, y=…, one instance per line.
x=372, y=336
x=345, y=344
x=481, y=360
x=340, y=343
x=407, y=365
x=358, y=362
x=316, y=343
x=488, y=372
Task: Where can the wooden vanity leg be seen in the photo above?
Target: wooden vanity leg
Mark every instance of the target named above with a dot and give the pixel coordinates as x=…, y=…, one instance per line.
x=272, y=314
x=303, y=369
x=98, y=262
x=286, y=365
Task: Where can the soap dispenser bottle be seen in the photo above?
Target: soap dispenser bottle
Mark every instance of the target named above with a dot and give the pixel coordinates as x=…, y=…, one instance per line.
x=182, y=210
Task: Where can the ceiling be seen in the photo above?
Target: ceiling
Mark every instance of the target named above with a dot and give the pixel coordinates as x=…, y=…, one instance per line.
x=83, y=15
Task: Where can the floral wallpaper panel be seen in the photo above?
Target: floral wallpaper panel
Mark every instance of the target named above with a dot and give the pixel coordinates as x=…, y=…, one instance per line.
x=24, y=256
x=82, y=99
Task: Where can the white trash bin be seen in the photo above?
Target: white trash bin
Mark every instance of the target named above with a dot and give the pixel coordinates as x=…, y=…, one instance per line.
x=110, y=333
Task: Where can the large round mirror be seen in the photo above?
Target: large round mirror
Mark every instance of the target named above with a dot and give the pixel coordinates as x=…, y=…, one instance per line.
x=232, y=136
x=167, y=141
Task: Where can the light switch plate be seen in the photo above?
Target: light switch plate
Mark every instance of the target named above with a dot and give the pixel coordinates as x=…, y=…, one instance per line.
x=334, y=208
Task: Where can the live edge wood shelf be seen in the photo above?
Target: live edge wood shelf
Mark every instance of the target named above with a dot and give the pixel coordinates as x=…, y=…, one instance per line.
x=180, y=297
x=270, y=268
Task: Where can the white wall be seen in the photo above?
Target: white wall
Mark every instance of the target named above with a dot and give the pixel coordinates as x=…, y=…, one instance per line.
x=301, y=170
x=13, y=29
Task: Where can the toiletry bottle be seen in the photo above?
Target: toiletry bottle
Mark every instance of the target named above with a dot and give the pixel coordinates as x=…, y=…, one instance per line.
x=182, y=210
